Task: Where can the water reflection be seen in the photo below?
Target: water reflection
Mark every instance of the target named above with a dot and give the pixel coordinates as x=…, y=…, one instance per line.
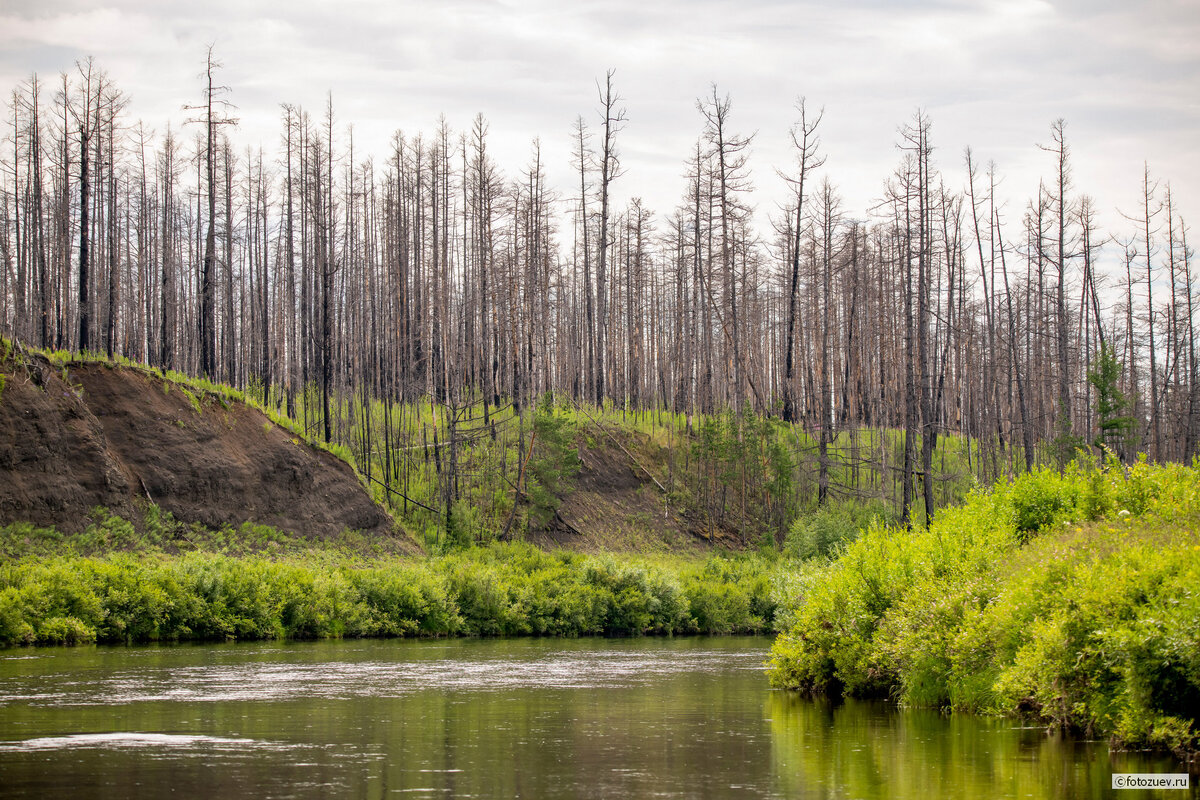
x=870, y=749
x=518, y=718
x=528, y=718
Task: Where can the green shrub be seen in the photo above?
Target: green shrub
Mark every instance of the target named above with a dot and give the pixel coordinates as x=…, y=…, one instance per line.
x=506, y=589
x=139, y=604
x=15, y=628
x=1099, y=497
x=465, y=525
x=1086, y=628
x=1112, y=646
x=1041, y=499
x=403, y=602
x=65, y=630
x=1139, y=488
x=823, y=532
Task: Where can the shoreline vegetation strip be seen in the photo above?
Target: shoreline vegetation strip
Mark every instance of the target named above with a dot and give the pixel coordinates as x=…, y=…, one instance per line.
x=1069, y=598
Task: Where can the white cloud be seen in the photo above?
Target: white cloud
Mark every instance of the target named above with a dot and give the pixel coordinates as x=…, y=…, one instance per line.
x=992, y=74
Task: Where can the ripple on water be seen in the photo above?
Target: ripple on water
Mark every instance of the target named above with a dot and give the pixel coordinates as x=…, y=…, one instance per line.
x=137, y=739
x=374, y=678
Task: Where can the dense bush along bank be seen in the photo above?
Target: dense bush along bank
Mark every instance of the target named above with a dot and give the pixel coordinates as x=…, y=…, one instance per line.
x=500, y=590
x=1070, y=597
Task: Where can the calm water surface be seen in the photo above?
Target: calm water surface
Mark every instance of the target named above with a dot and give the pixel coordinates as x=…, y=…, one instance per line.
x=533, y=718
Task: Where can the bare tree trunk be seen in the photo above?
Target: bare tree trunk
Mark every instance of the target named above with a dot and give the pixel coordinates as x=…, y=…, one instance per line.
x=614, y=117
x=1026, y=431
x=84, y=204
x=1147, y=223
x=208, y=326
x=805, y=141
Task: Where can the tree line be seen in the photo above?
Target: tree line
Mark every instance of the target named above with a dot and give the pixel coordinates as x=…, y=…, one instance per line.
x=325, y=279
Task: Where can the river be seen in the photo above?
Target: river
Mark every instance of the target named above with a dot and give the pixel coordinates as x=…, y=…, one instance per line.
x=530, y=718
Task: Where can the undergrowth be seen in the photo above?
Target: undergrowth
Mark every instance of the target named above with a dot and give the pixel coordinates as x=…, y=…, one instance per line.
x=1071, y=598
x=511, y=589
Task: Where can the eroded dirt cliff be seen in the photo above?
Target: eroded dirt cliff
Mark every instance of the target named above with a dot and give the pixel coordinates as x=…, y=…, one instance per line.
x=90, y=434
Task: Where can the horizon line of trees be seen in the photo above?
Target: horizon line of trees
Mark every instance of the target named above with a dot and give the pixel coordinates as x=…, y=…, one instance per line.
x=429, y=272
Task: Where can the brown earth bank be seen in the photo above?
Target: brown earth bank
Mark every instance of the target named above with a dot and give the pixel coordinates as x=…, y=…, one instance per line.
x=615, y=505
x=90, y=434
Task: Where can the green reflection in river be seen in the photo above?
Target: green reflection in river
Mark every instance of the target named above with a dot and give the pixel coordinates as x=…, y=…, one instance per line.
x=868, y=749
x=540, y=718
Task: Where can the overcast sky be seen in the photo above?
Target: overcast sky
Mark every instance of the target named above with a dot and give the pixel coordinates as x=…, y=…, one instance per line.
x=1125, y=76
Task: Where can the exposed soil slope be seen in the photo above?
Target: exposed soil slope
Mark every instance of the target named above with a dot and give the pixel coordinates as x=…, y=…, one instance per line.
x=614, y=505
x=95, y=435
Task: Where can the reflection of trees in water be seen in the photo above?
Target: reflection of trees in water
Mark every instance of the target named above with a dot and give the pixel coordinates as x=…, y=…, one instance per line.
x=871, y=749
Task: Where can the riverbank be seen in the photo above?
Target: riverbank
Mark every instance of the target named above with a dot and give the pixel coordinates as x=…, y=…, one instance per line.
x=1071, y=599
